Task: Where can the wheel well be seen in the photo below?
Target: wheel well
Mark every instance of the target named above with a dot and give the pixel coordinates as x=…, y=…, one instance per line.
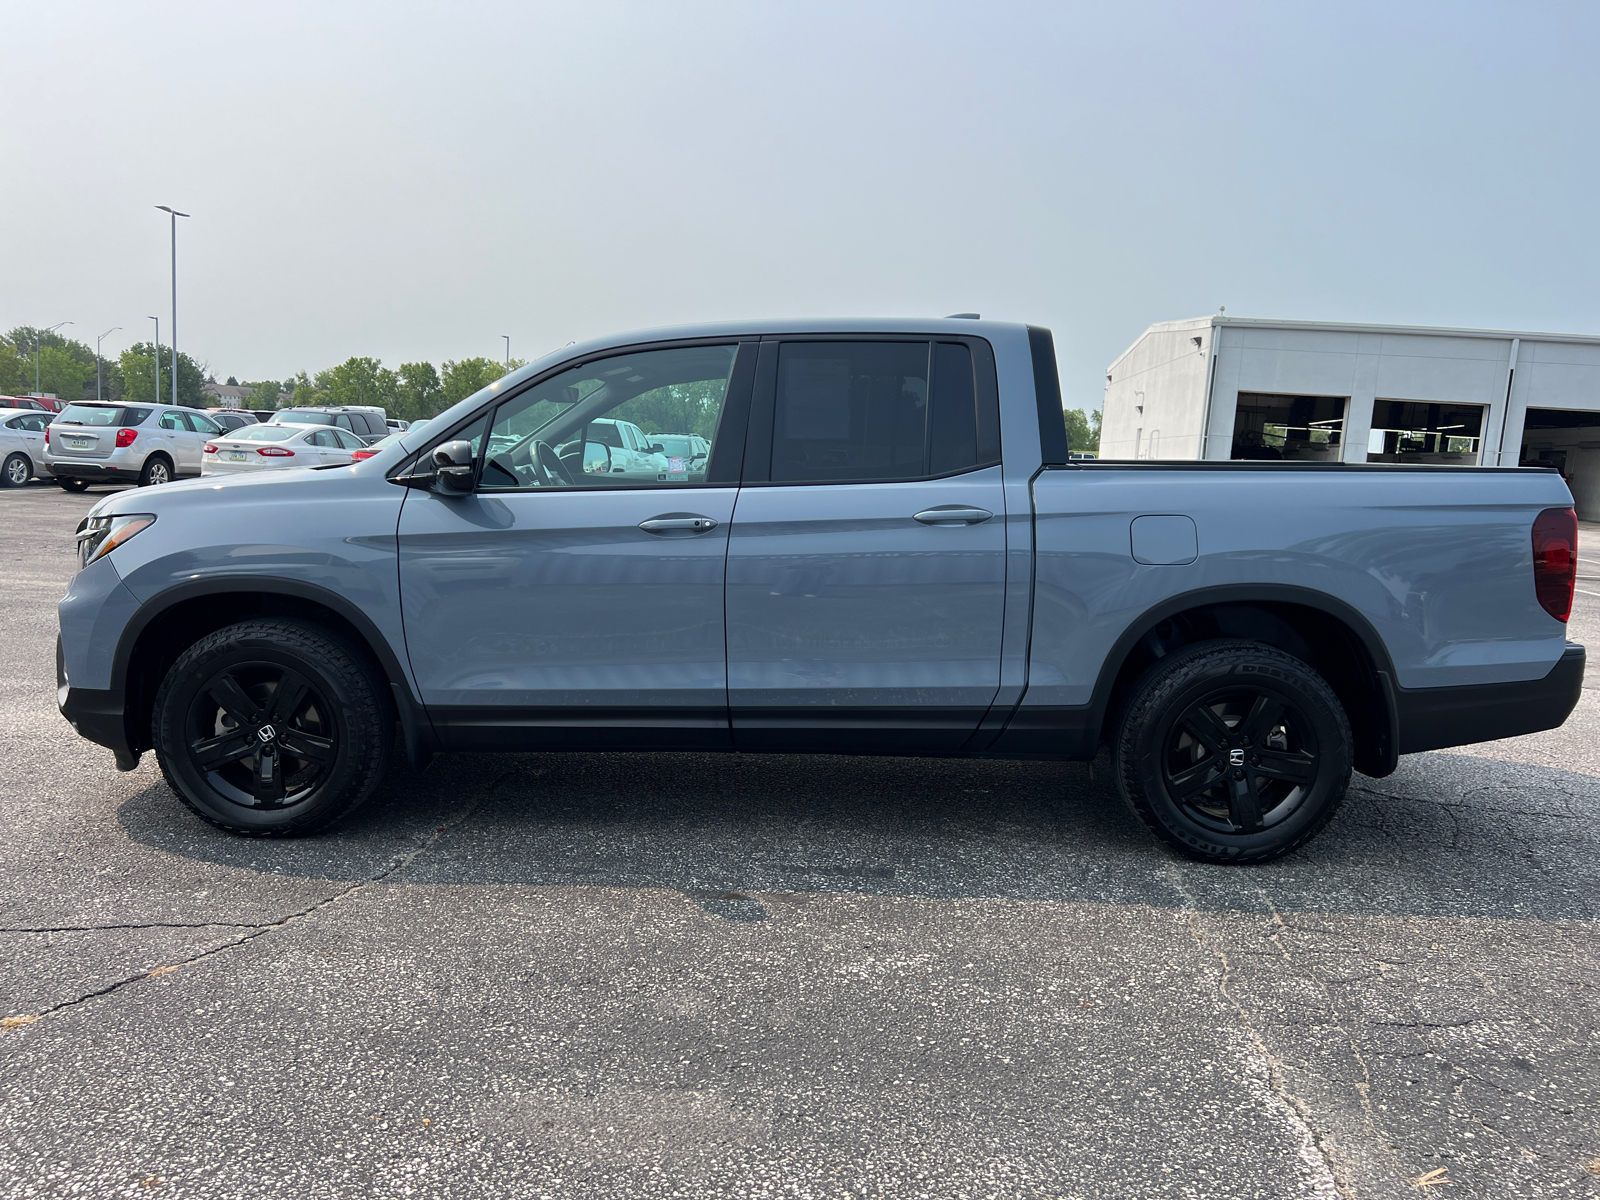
x=1319, y=639
x=175, y=629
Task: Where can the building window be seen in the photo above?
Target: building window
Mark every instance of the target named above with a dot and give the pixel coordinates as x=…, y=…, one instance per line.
x=1271, y=426
x=1409, y=431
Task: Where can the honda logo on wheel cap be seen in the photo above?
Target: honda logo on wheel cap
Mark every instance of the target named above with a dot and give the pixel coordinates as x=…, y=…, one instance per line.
x=266, y=733
x=1236, y=758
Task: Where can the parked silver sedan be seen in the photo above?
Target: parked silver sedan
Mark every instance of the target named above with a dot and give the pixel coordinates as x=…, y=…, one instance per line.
x=21, y=445
x=274, y=446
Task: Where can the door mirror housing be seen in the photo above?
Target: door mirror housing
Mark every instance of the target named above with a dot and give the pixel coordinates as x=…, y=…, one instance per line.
x=452, y=468
x=657, y=448
x=596, y=458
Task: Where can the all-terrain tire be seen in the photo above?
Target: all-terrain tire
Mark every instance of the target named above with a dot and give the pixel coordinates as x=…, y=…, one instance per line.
x=243, y=765
x=1233, y=751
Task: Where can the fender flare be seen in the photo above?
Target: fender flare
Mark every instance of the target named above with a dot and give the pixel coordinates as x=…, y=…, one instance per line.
x=416, y=729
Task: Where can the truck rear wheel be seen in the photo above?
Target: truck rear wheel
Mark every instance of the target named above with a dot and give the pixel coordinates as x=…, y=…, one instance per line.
x=271, y=728
x=1232, y=751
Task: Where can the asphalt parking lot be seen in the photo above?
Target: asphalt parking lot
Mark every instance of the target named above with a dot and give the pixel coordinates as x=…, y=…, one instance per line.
x=703, y=976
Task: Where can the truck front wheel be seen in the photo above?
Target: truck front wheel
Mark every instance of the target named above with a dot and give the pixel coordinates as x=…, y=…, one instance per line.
x=271, y=728
x=1232, y=751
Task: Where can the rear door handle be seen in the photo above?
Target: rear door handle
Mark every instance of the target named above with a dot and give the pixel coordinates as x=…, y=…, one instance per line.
x=678, y=525
x=952, y=514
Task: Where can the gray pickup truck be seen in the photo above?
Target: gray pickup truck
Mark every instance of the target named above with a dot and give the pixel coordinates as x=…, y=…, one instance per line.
x=888, y=550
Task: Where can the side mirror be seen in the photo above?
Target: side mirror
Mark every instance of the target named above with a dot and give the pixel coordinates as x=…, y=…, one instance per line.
x=452, y=468
x=596, y=458
x=657, y=448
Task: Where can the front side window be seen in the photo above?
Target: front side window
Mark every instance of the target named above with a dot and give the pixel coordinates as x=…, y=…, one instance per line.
x=606, y=423
x=203, y=424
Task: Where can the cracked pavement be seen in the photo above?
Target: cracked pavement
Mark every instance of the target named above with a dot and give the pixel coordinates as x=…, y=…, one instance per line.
x=703, y=976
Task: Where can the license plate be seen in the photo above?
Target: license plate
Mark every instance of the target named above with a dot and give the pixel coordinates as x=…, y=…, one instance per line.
x=79, y=443
x=236, y=455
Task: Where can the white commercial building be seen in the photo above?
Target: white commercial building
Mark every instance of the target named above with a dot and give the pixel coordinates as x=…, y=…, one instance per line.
x=1236, y=388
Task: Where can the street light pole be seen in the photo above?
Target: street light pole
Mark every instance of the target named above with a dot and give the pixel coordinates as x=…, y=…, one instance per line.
x=97, y=342
x=37, y=338
x=175, y=215
x=507, y=337
x=157, y=320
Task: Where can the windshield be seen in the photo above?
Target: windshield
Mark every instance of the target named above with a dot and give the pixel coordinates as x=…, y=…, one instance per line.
x=108, y=415
x=676, y=447
x=297, y=418
x=264, y=433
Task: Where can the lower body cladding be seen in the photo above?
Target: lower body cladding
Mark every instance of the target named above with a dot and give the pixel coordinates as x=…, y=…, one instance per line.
x=1424, y=719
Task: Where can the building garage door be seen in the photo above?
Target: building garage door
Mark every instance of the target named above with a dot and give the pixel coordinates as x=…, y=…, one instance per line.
x=1570, y=442
x=1411, y=431
x=1272, y=426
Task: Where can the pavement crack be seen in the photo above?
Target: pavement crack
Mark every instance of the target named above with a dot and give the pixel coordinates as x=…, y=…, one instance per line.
x=255, y=931
x=1268, y=1078
x=114, y=928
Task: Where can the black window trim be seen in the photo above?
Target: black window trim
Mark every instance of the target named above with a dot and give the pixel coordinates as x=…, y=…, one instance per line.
x=758, y=446
x=731, y=424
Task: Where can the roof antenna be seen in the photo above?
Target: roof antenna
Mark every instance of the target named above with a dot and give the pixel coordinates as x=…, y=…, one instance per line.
x=963, y=317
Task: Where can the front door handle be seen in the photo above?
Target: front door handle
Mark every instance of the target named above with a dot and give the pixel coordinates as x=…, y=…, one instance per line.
x=678, y=525
x=952, y=514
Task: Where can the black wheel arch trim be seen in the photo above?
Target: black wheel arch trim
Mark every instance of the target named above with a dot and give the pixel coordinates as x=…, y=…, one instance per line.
x=1028, y=729
x=416, y=730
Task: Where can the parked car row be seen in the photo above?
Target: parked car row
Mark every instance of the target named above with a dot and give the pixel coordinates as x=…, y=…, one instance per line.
x=93, y=441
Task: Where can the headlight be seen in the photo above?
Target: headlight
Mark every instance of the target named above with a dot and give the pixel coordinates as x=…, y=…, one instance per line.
x=99, y=536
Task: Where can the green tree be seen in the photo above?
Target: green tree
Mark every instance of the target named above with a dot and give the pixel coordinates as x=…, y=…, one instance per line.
x=65, y=366
x=360, y=381
x=461, y=379
x=263, y=395
x=678, y=408
x=421, y=394
x=1083, y=430
x=137, y=369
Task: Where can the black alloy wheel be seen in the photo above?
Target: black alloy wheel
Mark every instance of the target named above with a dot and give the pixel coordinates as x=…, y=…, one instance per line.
x=1233, y=751
x=272, y=727
x=262, y=734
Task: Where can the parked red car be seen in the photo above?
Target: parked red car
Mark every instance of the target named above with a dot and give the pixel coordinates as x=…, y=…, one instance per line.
x=49, y=404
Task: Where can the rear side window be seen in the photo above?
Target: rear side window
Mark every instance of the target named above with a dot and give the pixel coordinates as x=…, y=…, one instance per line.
x=879, y=412
x=173, y=420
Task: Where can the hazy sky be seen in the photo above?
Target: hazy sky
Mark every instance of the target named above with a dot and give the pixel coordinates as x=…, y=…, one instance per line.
x=411, y=181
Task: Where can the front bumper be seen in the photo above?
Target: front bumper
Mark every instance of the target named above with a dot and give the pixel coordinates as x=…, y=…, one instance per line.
x=1433, y=718
x=98, y=716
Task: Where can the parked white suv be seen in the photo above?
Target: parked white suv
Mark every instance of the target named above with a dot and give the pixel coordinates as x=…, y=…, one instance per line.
x=107, y=442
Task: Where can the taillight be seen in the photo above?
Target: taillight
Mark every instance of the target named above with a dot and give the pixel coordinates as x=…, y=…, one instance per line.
x=47, y=435
x=275, y=452
x=1555, y=560
x=125, y=437
x=358, y=455
x=210, y=449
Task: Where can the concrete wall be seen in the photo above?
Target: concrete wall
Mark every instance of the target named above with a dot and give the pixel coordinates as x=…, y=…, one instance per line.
x=1365, y=363
x=1165, y=372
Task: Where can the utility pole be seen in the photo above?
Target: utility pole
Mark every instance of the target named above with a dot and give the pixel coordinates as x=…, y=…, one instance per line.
x=507, y=337
x=37, y=338
x=97, y=342
x=175, y=215
x=157, y=320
